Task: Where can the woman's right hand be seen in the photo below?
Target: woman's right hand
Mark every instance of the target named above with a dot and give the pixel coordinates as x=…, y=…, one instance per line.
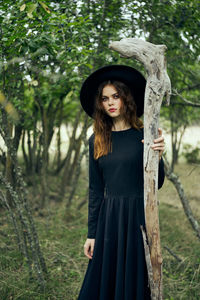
x=89, y=248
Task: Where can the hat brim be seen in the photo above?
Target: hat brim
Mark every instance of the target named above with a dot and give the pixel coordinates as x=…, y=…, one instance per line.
x=128, y=75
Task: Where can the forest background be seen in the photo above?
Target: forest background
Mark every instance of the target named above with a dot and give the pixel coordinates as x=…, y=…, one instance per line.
x=47, y=49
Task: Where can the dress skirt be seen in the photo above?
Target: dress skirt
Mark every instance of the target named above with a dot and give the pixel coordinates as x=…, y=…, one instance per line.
x=117, y=270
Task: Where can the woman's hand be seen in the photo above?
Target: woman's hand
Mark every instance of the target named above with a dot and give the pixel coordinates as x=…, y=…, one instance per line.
x=159, y=143
x=89, y=248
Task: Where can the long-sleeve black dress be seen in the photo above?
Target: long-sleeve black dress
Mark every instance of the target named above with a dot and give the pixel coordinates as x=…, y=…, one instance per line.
x=117, y=270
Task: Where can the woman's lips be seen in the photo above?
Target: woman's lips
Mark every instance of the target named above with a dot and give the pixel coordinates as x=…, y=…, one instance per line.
x=112, y=109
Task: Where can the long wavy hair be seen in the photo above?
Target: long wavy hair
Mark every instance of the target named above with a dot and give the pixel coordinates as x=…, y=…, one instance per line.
x=103, y=123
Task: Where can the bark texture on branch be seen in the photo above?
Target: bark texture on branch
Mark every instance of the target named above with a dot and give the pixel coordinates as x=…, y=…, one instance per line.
x=158, y=85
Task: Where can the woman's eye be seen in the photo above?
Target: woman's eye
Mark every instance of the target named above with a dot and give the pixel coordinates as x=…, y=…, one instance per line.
x=116, y=96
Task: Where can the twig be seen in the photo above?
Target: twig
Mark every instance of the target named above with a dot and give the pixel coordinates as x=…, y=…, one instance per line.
x=173, y=254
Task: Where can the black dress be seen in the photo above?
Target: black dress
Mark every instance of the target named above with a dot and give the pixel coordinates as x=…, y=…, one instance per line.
x=117, y=270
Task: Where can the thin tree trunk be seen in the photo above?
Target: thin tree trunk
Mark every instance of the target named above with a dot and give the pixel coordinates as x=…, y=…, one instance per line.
x=58, y=158
x=17, y=136
x=183, y=198
x=72, y=167
x=72, y=142
x=9, y=166
x=29, y=153
x=44, y=187
x=175, y=142
x=58, y=137
x=77, y=161
x=33, y=151
x=24, y=152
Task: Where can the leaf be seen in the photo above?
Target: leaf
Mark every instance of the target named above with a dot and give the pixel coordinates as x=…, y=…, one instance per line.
x=89, y=66
x=22, y=8
x=67, y=98
x=34, y=83
x=31, y=8
x=45, y=7
x=30, y=15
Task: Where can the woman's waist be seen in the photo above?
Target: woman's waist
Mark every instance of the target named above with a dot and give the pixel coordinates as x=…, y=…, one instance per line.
x=131, y=192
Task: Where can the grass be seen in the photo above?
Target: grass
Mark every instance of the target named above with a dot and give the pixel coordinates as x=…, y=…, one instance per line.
x=62, y=235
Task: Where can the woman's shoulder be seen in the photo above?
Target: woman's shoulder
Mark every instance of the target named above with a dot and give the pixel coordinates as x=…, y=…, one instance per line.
x=91, y=137
x=140, y=130
x=138, y=133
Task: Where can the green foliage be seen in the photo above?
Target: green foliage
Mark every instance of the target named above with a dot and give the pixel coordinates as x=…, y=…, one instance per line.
x=57, y=44
x=191, y=154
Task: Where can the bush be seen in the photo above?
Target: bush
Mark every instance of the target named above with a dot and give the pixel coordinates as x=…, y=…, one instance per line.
x=191, y=154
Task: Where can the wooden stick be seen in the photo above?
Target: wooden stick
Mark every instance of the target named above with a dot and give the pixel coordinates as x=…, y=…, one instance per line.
x=158, y=85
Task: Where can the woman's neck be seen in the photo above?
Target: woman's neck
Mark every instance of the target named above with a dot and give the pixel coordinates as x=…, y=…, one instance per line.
x=120, y=125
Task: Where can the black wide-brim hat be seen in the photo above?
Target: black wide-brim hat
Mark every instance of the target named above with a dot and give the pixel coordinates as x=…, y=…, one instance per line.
x=128, y=75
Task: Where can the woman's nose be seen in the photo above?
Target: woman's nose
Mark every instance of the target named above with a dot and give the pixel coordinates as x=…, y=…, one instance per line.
x=110, y=101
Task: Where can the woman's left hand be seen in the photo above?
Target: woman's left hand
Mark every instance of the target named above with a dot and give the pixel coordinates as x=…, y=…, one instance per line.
x=159, y=143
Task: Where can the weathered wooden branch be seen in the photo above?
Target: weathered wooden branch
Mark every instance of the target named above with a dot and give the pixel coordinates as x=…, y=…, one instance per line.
x=158, y=85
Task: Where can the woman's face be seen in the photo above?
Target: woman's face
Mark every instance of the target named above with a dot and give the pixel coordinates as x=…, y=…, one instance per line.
x=111, y=101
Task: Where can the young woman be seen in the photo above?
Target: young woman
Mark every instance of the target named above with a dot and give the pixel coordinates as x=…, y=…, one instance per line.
x=114, y=97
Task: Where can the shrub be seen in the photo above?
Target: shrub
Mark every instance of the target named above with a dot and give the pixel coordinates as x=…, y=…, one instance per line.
x=191, y=154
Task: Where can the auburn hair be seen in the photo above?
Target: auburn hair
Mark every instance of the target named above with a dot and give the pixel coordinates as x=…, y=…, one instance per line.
x=102, y=125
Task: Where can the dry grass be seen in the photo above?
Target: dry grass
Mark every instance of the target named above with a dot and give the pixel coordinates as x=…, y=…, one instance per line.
x=62, y=236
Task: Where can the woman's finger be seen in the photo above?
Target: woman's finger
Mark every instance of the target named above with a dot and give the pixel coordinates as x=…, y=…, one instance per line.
x=86, y=250
x=158, y=145
x=161, y=138
x=159, y=131
x=92, y=250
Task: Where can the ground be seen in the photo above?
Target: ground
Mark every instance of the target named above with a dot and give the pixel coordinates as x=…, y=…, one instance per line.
x=62, y=235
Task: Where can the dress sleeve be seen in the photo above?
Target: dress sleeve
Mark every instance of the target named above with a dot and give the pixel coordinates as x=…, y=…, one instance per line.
x=161, y=173
x=96, y=190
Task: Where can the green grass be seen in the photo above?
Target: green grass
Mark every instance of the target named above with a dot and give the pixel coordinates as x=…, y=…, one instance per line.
x=62, y=235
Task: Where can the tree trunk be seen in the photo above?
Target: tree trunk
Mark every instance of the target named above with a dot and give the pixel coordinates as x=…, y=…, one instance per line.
x=24, y=152
x=44, y=158
x=21, y=213
x=158, y=85
x=185, y=203
x=9, y=166
x=77, y=161
x=72, y=141
x=175, y=141
x=30, y=170
x=17, y=136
